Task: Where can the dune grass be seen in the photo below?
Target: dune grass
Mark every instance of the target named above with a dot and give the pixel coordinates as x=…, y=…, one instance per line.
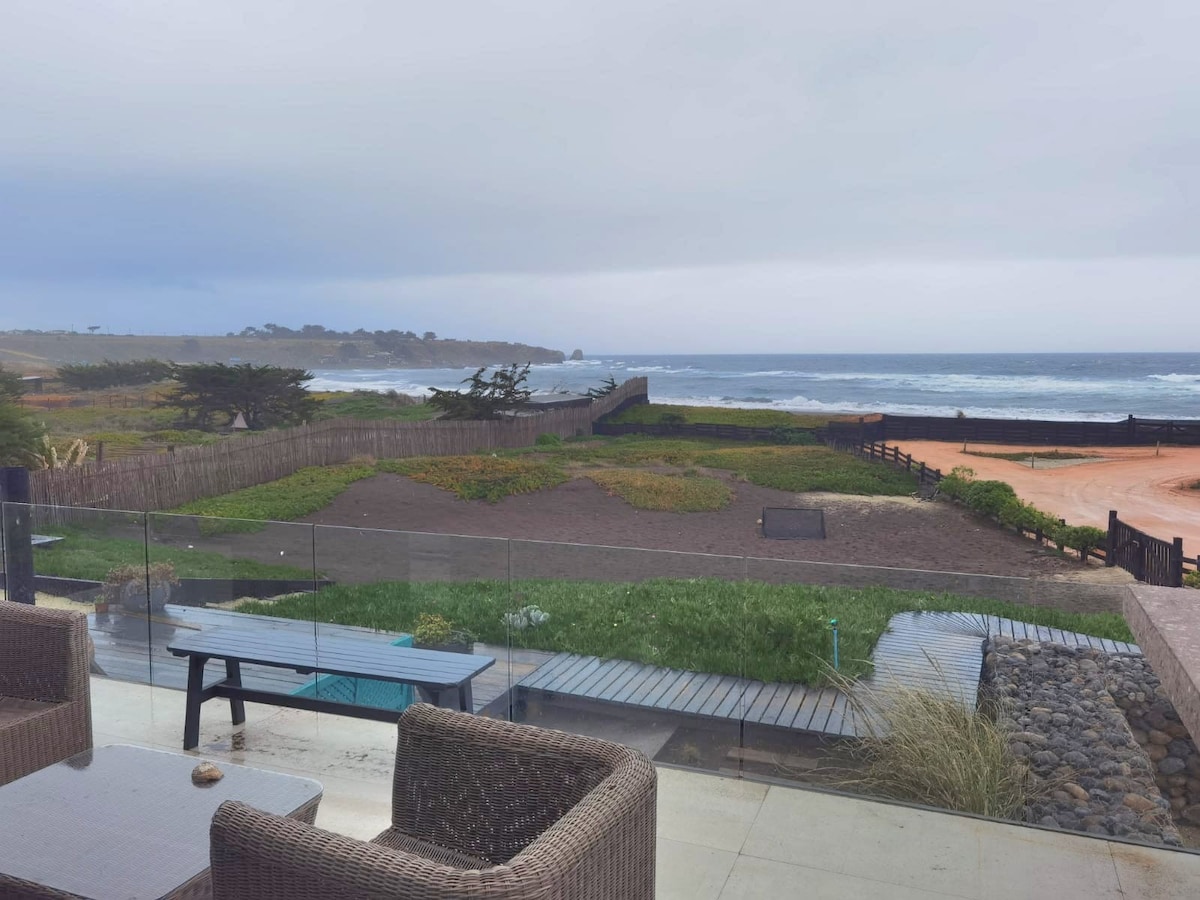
x=672, y=493
x=928, y=748
x=765, y=631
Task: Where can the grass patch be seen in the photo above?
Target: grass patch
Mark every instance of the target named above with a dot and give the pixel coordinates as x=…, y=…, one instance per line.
x=801, y=469
x=674, y=493
x=764, y=631
x=489, y=478
x=293, y=497
x=88, y=556
x=653, y=414
x=1024, y=456
x=930, y=749
x=76, y=420
x=372, y=405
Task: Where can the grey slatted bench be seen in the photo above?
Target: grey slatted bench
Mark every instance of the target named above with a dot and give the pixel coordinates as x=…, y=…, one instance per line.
x=443, y=679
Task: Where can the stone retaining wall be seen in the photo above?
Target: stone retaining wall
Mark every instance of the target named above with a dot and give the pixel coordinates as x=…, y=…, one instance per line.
x=1158, y=730
x=1055, y=702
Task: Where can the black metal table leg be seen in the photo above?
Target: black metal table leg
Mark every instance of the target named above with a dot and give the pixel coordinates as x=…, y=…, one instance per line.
x=195, y=690
x=233, y=676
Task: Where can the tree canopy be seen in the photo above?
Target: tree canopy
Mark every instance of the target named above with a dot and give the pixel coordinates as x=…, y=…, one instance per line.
x=107, y=374
x=266, y=396
x=504, y=392
x=20, y=435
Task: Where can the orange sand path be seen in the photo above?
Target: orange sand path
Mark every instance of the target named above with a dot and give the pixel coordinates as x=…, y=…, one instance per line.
x=1147, y=490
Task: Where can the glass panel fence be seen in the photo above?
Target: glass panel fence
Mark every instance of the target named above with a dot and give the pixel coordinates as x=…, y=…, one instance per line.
x=429, y=592
x=207, y=573
x=642, y=647
x=804, y=641
x=91, y=560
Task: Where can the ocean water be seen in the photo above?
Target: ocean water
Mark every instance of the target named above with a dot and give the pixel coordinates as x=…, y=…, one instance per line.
x=1075, y=386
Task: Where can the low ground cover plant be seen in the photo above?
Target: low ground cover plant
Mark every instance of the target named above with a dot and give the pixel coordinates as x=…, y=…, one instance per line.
x=653, y=413
x=489, y=478
x=293, y=497
x=1025, y=455
x=801, y=469
x=766, y=631
x=673, y=493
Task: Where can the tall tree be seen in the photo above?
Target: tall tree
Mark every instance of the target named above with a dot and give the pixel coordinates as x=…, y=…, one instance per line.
x=20, y=435
x=485, y=398
x=266, y=396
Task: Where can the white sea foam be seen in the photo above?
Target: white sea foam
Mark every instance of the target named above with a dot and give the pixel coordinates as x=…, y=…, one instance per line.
x=805, y=404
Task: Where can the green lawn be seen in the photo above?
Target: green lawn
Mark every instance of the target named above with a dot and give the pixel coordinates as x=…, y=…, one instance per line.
x=88, y=556
x=764, y=631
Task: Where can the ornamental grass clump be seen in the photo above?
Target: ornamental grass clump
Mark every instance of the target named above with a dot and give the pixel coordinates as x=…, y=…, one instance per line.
x=927, y=747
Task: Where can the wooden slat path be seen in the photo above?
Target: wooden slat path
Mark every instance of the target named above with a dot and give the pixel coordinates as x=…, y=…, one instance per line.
x=937, y=651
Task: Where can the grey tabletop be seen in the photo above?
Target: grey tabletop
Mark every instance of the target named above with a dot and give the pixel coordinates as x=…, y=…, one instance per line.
x=127, y=822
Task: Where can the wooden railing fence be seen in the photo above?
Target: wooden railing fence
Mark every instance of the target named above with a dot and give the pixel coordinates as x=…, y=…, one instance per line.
x=166, y=481
x=877, y=451
x=1149, y=559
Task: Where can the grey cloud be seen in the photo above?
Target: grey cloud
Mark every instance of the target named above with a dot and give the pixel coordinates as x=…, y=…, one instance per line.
x=310, y=149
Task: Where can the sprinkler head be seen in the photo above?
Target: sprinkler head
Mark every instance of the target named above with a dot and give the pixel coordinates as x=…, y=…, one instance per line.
x=833, y=623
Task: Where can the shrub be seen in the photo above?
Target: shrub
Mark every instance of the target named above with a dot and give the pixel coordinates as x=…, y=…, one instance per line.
x=957, y=482
x=989, y=497
x=783, y=434
x=1191, y=579
x=548, y=440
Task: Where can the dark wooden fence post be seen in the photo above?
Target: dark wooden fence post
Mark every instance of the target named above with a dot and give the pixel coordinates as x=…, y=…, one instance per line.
x=1110, y=545
x=17, y=535
x=1177, y=562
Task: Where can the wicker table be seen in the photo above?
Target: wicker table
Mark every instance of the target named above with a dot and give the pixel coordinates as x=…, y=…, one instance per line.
x=127, y=822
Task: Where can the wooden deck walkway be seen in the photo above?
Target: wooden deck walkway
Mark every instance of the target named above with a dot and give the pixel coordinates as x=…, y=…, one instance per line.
x=134, y=648
x=939, y=652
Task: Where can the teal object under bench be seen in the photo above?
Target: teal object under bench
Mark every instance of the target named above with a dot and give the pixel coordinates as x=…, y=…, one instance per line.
x=362, y=691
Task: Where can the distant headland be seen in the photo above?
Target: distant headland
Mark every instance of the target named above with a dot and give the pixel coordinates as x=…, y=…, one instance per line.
x=306, y=347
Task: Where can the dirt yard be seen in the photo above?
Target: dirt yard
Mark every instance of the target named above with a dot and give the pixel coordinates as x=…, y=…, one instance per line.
x=1147, y=487
x=899, y=532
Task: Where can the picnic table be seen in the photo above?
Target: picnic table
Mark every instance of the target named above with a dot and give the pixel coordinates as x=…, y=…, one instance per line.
x=443, y=679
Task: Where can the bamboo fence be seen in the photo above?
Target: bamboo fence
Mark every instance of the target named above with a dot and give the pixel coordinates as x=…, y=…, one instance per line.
x=166, y=481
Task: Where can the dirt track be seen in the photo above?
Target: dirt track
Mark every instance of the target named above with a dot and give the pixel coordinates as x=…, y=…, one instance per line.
x=1148, y=490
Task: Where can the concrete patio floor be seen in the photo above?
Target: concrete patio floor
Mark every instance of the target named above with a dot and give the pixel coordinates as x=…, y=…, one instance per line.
x=717, y=837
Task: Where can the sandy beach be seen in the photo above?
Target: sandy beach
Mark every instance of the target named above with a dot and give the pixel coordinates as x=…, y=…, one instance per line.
x=1147, y=487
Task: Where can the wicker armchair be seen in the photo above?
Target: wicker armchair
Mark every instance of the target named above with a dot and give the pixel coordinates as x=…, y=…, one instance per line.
x=480, y=809
x=45, y=697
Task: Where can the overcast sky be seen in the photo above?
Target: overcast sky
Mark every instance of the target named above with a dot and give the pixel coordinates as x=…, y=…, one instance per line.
x=695, y=176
